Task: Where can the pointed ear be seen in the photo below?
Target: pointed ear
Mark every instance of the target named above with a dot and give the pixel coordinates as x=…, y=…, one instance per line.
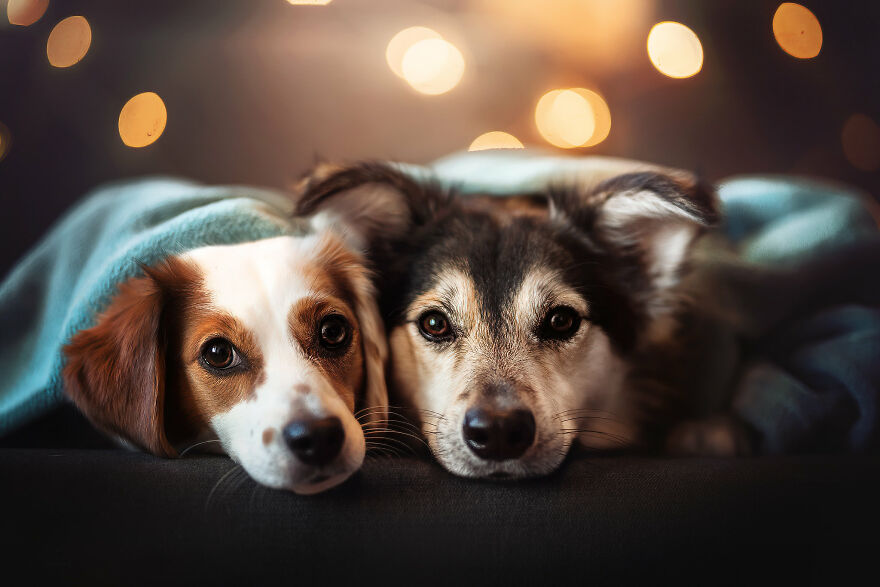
x=115, y=371
x=368, y=201
x=647, y=222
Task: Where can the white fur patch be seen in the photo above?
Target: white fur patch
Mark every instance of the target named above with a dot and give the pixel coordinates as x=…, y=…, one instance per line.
x=258, y=283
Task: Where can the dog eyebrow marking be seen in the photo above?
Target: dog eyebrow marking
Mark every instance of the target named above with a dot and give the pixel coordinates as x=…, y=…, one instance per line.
x=454, y=291
x=541, y=289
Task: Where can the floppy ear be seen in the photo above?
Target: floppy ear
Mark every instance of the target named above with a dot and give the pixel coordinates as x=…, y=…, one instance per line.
x=115, y=371
x=375, y=348
x=371, y=202
x=645, y=223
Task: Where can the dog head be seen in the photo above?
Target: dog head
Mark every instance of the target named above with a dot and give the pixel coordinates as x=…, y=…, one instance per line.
x=266, y=347
x=514, y=322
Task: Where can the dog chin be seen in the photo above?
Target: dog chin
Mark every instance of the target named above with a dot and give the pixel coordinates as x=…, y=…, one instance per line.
x=321, y=482
x=474, y=468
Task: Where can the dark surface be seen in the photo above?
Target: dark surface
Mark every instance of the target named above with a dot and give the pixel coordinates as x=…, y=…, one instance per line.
x=114, y=517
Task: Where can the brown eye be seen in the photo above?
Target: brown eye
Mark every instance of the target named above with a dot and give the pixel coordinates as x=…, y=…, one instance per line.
x=434, y=326
x=561, y=323
x=334, y=332
x=218, y=353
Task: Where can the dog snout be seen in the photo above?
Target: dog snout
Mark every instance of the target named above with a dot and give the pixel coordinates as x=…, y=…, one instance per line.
x=315, y=441
x=498, y=435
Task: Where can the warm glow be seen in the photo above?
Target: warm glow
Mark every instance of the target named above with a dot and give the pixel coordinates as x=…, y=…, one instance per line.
x=5, y=141
x=310, y=2
x=495, y=139
x=142, y=120
x=675, y=50
x=861, y=142
x=797, y=30
x=601, y=37
x=402, y=41
x=25, y=12
x=601, y=116
x=432, y=66
x=69, y=41
x=573, y=117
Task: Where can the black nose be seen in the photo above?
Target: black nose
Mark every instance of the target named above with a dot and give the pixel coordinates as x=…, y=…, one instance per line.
x=498, y=435
x=315, y=442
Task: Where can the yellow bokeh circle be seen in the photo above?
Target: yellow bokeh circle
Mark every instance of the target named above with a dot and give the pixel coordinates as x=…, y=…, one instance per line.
x=573, y=117
x=25, y=12
x=495, y=139
x=797, y=30
x=69, y=41
x=675, y=50
x=142, y=120
x=432, y=66
x=402, y=41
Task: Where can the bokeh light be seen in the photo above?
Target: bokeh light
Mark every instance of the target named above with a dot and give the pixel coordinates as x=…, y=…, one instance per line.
x=797, y=30
x=675, y=50
x=601, y=116
x=402, y=41
x=599, y=36
x=142, y=120
x=25, y=12
x=573, y=117
x=861, y=142
x=495, y=139
x=309, y=2
x=69, y=41
x=5, y=141
x=432, y=66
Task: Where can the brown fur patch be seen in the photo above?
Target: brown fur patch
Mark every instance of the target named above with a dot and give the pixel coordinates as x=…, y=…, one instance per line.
x=343, y=369
x=204, y=394
x=116, y=371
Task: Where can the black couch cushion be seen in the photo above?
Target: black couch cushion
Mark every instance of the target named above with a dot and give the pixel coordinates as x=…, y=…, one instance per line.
x=117, y=517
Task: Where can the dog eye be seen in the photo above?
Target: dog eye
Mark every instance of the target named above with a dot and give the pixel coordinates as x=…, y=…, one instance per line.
x=334, y=332
x=561, y=323
x=219, y=353
x=434, y=326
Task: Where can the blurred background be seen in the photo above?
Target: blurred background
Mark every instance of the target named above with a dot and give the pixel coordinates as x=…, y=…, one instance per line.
x=255, y=91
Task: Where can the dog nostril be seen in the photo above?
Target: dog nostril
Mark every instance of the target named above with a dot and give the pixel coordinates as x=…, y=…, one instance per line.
x=315, y=442
x=498, y=435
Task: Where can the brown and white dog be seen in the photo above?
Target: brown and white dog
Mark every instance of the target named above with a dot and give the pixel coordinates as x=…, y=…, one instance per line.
x=520, y=324
x=264, y=348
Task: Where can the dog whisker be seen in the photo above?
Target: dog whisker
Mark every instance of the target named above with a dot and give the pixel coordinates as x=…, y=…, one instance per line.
x=381, y=434
x=383, y=449
x=621, y=439
x=397, y=442
x=236, y=468
x=192, y=446
x=586, y=411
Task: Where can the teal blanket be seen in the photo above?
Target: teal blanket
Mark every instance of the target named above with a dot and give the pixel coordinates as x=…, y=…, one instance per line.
x=793, y=275
x=70, y=276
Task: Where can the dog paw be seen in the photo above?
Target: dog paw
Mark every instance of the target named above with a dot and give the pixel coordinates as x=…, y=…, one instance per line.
x=722, y=436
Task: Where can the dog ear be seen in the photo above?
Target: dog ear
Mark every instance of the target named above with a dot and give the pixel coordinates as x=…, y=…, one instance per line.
x=115, y=371
x=370, y=201
x=375, y=348
x=348, y=269
x=646, y=223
